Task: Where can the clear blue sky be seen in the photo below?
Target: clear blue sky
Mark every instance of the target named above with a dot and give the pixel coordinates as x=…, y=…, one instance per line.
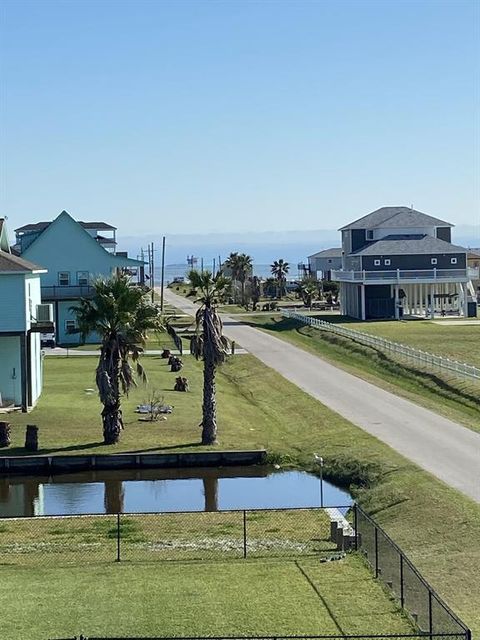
x=237, y=115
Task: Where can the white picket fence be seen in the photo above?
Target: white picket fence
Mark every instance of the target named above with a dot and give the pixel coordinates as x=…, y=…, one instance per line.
x=427, y=360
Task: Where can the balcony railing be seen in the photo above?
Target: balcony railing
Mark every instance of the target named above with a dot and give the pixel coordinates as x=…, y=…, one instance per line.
x=67, y=292
x=402, y=275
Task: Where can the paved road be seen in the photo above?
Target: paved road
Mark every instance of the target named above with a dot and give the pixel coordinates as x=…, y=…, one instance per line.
x=446, y=449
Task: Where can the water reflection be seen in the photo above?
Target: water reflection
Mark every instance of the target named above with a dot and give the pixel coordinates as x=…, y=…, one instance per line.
x=200, y=489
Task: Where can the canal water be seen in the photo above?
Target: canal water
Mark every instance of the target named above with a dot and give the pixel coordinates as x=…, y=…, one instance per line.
x=153, y=490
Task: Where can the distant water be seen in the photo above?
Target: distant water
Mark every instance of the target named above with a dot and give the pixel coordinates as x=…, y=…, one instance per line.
x=178, y=270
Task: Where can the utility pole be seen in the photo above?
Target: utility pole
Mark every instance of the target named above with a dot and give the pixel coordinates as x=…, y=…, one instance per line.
x=214, y=273
x=163, y=274
x=149, y=264
x=152, y=273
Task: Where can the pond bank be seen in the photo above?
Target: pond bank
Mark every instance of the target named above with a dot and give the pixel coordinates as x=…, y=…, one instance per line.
x=45, y=464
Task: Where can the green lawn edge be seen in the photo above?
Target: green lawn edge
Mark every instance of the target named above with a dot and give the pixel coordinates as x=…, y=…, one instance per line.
x=435, y=525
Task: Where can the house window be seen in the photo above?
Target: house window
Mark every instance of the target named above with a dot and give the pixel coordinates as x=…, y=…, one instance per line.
x=369, y=234
x=82, y=277
x=376, y=263
x=433, y=261
x=388, y=262
x=453, y=261
x=64, y=278
x=69, y=326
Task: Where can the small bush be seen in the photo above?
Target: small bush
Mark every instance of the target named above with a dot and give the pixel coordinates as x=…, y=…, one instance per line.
x=346, y=472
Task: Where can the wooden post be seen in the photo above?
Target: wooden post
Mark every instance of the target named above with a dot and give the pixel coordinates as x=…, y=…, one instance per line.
x=31, y=438
x=5, y=440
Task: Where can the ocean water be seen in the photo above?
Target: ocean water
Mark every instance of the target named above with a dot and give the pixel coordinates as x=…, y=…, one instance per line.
x=177, y=270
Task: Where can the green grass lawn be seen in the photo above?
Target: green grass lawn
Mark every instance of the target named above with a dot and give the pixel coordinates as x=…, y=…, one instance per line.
x=455, y=341
x=444, y=338
x=435, y=525
x=174, y=599
x=453, y=397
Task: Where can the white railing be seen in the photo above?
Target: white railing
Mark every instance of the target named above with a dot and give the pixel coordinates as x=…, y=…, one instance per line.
x=428, y=360
x=398, y=275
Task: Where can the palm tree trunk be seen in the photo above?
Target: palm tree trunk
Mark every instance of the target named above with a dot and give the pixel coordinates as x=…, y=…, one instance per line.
x=209, y=423
x=112, y=423
x=108, y=372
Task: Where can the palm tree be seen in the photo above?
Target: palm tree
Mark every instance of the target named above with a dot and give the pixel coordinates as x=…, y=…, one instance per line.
x=308, y=289
x=244, y=269
x=231, y=267
x=121, y=314
x=209, y=344
x=240, y=265
x=255, y=291
x=279, y=269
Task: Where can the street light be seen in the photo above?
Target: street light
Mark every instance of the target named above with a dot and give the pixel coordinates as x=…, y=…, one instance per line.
x=319, y=460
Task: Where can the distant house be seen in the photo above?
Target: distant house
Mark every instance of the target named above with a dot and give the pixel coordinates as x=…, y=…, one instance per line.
x=75, y=253
x=4, y=244
x=473, y=261
x=22, y=317
x=398, y=261
x=322, y=263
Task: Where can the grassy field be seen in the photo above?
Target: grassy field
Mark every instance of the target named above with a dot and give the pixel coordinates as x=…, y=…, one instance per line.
x=197, y=598
x=199, y=535
x=453, y=397
x=434, y=524
x=445, y=338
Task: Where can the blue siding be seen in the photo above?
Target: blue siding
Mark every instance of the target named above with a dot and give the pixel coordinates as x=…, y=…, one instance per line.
x=65, y=315
x=13, y=316
x=66, y=247
x=10, y=369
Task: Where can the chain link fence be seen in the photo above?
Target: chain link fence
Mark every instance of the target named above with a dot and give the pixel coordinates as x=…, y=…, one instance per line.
x=196, y=535
x=441, y=636
x=219, y=535
x=390, y=565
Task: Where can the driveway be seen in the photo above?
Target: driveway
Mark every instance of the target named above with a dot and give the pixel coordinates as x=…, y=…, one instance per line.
x=446, y=449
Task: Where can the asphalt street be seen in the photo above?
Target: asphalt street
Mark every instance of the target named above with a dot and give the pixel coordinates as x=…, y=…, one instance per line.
x=446, y=449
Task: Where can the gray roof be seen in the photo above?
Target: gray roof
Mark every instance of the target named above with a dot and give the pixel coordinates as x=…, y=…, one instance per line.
x=14, y=264
x=335, y=252
x=41, y=226
x=399, y=217
x=415, y=244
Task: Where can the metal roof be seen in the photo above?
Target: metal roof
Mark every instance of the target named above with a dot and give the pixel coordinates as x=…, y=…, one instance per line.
x=403, y=244
x=399, y=217
x=335, y=252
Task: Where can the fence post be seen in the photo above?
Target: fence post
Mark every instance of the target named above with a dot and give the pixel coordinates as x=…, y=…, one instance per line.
x=244, y=534
x=402, y=592
x=376, y=551
x=355, y=525
x=430, y=618
x=118, y=537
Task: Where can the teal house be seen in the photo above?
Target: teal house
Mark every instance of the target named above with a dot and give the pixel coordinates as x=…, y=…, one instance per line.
x=74, y=254
x=22, y=317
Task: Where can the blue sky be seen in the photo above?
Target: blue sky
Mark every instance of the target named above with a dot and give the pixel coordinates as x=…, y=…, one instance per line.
x=235, y=116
